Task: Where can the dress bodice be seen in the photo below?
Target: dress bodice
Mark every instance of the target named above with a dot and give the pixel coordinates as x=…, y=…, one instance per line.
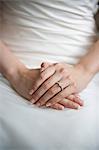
x=55, y=30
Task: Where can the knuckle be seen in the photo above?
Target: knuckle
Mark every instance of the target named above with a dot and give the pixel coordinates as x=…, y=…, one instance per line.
x=61, y=70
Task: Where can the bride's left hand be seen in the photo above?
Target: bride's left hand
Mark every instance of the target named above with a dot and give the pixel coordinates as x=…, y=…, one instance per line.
x=72, y=79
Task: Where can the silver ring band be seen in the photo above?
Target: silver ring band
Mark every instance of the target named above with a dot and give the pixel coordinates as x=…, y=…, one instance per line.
x=59, y=86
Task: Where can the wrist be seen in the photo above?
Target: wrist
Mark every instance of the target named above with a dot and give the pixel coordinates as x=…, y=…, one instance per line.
x=86, y=69
x=90, y=68
x=10, y=66
x=90, y=61
x=12, y=73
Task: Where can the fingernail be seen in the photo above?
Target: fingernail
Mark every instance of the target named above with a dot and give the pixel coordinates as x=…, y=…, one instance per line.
x=42, y=65
x=31, y=92
x=32, y=101
x=48, y=104
x=77, y=106
x=62, y=107
x=80, y=102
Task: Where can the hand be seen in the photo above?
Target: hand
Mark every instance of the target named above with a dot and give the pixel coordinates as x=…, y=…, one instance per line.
x=22, y=82
x=40, y=88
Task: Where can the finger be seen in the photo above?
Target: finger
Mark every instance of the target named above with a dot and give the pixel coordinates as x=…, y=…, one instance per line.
x=75, y=98
x=61, y=95
x=44, y=66
x=51, y=90
x=57, y=106
x=69, y=104
x=78, y=100
x=77, y=95
x=44, y=88
x=43, y=76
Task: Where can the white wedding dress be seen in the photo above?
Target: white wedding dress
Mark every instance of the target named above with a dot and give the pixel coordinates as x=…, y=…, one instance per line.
x=55, y=31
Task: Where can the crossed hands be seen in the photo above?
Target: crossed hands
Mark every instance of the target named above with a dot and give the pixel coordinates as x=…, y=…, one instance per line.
x=53, y=85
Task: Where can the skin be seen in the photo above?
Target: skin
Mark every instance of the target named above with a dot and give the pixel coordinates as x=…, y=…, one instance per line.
x=21, y=78
x=73, y=79
x=76, y=77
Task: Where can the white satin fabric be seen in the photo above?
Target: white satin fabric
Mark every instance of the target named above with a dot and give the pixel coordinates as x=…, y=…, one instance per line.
x=55, y=31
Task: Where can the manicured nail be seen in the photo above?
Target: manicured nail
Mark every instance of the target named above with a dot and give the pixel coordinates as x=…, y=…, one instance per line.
x=48, y=104
x=32, y=101
x=31, y=92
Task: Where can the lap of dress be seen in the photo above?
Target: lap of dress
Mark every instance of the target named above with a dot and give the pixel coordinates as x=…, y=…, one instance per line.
x=24, y=126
